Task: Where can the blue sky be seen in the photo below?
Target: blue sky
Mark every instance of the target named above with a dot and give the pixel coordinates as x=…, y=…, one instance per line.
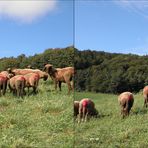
x=31, y=27
x=113, y=26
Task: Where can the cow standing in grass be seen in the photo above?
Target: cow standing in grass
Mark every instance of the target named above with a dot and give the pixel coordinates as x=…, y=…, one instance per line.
x=126, y=100
x=60, y=75
x=17, y=85
x=86, y=109
x=3, y=84
x=32, y=80
x=4, y=77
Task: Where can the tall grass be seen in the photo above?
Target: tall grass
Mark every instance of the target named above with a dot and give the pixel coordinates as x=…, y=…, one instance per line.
x=110, y=130
x=37, y=121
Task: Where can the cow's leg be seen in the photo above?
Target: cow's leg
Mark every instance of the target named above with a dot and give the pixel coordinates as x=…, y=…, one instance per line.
x=4, y=88
x=83, y=113
x=18, y=92
x=60, y=85
x=34, y=89
x=69, y=87
x=122, y=111
x=86, y=115
x=80, y=113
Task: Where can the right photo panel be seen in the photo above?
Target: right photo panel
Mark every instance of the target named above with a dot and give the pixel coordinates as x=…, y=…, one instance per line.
x=111, y=79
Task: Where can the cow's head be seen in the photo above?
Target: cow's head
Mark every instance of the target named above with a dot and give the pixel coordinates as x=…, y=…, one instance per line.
x=49, y=69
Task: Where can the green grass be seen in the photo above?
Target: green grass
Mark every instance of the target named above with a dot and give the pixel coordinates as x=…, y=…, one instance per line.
x=110, y=130
x=46, y=120
x=37, y=121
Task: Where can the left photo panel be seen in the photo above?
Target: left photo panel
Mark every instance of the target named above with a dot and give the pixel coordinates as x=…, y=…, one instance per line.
x=36, y=73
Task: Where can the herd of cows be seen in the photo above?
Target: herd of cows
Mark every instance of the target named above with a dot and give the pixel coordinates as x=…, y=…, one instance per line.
x=86, y=107
x=18, y=79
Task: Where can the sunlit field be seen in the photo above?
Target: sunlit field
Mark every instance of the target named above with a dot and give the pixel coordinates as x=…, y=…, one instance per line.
x=43, y=120
x=110, y=130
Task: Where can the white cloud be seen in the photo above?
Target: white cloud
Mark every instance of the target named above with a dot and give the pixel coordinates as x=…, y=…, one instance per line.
x=26, y=11
x=139, y=7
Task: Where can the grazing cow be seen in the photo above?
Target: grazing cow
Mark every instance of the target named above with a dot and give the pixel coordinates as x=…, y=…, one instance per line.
x=4, y=77
x=60, y=75
x=32, y=80
x=145, y=95
x=43, y=75
x=76, y=108
x=86, y=108
x=17, y=85
x=3, y=84
x=126, y=100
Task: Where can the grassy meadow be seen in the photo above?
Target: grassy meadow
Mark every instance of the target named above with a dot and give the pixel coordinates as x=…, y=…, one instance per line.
x=110, y=130
x=46, y=120
x=37, y=121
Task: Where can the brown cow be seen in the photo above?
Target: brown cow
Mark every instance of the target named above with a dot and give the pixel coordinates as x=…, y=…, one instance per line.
x=86, y=108
x=60, y=75
x=17, y=85
x=43, y=75
x=3, y=84
x=126, y=100
x=145, y=95
x=4, y=77
x=32, y=80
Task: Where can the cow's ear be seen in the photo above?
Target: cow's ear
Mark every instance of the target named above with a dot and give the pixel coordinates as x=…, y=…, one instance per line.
x=45, y=64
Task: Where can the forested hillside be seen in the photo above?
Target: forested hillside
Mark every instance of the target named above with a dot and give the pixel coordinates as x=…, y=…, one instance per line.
x=99, y=71
x=59, y=57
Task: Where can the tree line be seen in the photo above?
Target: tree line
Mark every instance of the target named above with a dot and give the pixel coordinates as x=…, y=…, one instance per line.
x=99, y=71
x=58, y=57
x=96, y=71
